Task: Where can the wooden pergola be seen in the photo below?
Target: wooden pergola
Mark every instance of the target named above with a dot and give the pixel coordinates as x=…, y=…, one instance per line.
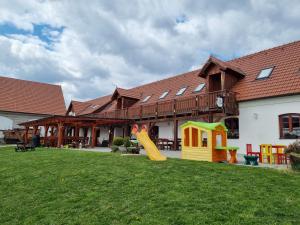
x=64, y=129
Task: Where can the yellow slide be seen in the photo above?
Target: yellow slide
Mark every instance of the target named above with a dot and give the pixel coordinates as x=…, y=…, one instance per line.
x=150, y=148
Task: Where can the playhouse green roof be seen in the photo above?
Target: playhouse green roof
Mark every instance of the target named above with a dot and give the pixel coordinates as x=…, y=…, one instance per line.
x=207, y=126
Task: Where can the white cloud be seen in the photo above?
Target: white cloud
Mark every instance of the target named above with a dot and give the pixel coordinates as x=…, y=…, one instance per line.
x=125, y=43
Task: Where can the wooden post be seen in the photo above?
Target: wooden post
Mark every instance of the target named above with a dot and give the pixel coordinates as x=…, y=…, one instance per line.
x=222, y=80
x=26, y=135
x=210, y=117
x=175, y=132
x=93, y=144
x=60, y=135
x=35, y=130
x=77, y=128
x=111, y=134
x=46, y=134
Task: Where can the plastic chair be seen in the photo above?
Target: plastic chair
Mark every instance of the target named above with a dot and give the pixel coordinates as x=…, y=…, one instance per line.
x=280, y=156
x=250, y=152
x=266, y=153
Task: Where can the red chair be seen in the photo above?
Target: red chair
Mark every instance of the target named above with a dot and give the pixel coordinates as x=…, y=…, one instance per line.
x=250, y=152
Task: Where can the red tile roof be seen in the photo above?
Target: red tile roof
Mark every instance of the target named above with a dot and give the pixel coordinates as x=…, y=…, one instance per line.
x=284, y=80
x=173, y=84
x=285, y=77
x=88, y=107
x=31, y=97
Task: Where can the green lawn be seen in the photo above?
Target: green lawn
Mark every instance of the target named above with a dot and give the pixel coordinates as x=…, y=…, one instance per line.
x=74, y=187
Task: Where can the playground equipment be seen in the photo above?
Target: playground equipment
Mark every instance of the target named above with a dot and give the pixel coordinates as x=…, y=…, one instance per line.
x=206, y=142
x=150, y=148
x=266, y=153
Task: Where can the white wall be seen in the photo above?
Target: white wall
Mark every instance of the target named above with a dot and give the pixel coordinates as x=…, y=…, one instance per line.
x=259, y=123
x=10, y=120
x=104, y=134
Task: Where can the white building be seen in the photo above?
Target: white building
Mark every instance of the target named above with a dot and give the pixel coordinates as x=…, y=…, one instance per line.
x=257, y=97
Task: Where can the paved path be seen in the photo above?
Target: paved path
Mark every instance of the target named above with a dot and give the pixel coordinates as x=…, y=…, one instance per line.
x=177, y=154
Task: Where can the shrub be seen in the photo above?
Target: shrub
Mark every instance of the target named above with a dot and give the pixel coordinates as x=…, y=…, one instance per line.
x=127, y=142
x=293, y=148
x=114, y=148
x=118, y=141
x=294, y=151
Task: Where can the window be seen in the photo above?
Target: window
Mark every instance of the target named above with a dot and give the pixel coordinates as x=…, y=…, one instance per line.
x=164, y=95
x=219, y=140
x=181, y=91
x=265, y=73
x=199, y=87
x=232, y=125
x=186, y=137
x=147, y=98
x=203, y=139
x=289, y=125
x=194, y=137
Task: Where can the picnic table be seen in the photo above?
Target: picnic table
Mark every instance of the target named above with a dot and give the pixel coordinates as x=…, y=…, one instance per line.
x=232, y=151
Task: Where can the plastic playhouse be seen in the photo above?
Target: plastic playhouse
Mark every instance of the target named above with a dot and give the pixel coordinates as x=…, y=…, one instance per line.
x=150, y=148
x=206, y=142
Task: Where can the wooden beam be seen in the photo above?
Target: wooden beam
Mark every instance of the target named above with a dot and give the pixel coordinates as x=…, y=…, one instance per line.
x=175, y=134
x=60, y=135
x=222, y=80
x=26, y=135
x=93, y=133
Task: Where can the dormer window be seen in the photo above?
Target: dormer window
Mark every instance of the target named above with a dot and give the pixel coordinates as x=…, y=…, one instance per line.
x=94, y=106
x=199, y=87
x=181, y=91
x=265, y=73
x=146, y=98
x=163, y=95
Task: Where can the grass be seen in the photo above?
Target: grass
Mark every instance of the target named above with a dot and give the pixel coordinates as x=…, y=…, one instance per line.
x=75, y=187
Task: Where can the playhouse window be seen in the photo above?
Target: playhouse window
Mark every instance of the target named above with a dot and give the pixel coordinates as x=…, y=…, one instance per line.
x=203, y=139
x=219, y=140
x=289, y=126
x=232, y=124
x=194, y=137
x=186, y=137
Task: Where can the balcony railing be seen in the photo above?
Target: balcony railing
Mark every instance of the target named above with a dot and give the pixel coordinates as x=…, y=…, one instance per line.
x=201, y=104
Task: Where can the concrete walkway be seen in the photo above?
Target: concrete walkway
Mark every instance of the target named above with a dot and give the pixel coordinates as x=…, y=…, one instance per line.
x=177, y=154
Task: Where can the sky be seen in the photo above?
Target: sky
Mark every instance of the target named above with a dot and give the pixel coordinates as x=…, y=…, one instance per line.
x=92, y=47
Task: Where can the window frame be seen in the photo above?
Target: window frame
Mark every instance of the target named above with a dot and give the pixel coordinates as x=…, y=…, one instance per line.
x=146, y=99
x=263, y=78
x=196, y=91
x=290, y=123
x=185, y=88
x=231, y=129
x=164, y=95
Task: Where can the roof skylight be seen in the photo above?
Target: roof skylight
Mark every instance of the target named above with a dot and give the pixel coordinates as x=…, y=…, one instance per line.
x=199, y=87
x=265, y=73
x=146, y=98
x=163, y=95
x=181, y=91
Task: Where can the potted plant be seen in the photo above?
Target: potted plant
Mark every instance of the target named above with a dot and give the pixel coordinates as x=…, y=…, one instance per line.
x=117, y=143
x=293, y=150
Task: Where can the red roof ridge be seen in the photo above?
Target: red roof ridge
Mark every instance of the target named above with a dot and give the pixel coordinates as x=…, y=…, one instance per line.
x=262, y=51
x=29, y=81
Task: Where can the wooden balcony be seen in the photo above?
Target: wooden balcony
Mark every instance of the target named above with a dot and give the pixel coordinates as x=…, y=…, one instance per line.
x=198, y=104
